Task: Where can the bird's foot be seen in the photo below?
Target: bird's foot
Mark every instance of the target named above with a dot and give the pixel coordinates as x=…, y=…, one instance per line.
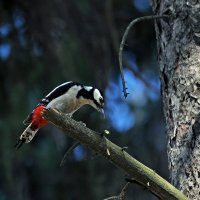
x=83, y=124
x=106, y=132
x=68, y=115
x=45, y=109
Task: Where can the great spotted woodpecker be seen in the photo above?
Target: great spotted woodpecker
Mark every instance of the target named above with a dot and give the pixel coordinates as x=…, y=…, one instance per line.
x=66, y=98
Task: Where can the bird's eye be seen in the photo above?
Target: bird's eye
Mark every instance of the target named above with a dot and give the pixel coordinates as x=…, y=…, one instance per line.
x=101, y=100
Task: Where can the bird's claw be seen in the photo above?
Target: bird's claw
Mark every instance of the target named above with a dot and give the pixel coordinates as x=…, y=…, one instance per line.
x=124, y=148
x=106, y=132
x=68, y=115
x=83, y=124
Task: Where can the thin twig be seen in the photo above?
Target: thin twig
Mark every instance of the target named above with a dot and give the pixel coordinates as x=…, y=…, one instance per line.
x=122, y=194
x=112, y=198
x=124, y=191
x=69, y=150
x=137, y=74
x=132, y=180
x=121, y=48
x=115, y=43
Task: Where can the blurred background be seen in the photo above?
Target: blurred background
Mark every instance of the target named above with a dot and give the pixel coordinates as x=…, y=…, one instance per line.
x=45, y=43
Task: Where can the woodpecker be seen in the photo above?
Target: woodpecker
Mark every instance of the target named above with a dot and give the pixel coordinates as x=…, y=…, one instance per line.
x=66, y=98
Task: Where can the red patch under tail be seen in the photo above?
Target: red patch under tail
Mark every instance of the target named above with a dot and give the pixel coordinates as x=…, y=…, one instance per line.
x=37, y=119
x=36, y=122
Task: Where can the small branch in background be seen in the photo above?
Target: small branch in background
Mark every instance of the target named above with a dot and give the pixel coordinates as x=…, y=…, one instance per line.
x=69, y=151
x=124, y=191
x=131, y=180
x=137, y=74
x=121, y=48
x=94, y=141
x=112, y=198
x=122, y=194
x=115, y=43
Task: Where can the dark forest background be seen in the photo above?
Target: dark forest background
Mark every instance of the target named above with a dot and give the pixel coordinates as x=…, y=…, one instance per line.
x=45, y=43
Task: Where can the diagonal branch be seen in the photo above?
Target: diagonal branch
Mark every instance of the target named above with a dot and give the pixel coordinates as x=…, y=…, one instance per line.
x=93, y=140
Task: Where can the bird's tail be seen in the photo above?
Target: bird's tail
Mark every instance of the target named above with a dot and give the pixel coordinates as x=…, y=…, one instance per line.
x=27, y=135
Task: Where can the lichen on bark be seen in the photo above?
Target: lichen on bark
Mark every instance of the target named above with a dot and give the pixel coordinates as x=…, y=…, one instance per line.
x=179, y=59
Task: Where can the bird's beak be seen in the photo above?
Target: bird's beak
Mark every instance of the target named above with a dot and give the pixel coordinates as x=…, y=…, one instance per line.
x=101, y=110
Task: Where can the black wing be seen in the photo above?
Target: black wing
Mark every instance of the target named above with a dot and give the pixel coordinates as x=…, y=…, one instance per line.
x=58, y=91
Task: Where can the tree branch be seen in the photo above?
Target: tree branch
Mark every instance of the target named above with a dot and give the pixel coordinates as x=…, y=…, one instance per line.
x=122, y=194
x=124, y=191
x=93, y=140
x=121, y=48
x=67, y=153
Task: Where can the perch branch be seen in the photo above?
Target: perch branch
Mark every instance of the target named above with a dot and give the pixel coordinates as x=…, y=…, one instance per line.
x=121, y=48
x=93, y=140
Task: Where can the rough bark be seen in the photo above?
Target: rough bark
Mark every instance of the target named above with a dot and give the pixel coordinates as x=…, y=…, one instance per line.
x=116, y=155
x=179, y=56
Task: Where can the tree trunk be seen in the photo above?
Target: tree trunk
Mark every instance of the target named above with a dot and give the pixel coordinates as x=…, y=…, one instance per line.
x=179, y=57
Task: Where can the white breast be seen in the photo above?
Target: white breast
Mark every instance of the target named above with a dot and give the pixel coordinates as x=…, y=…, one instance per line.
x=67, y=103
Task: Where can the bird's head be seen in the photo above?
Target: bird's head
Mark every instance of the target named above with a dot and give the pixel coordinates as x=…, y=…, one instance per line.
x=98, y=100
x=93, y=97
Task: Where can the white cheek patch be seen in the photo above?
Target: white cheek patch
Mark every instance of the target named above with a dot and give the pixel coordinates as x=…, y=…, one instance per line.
x=97, y=95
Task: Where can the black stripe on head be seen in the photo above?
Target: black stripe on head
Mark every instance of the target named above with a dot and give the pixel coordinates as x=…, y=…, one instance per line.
x=59, y=91
x=89, y=94
x=96, y=103
x=101, y=93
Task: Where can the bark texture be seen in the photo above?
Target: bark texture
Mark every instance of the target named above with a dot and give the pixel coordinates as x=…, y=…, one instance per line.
x=178, y=41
